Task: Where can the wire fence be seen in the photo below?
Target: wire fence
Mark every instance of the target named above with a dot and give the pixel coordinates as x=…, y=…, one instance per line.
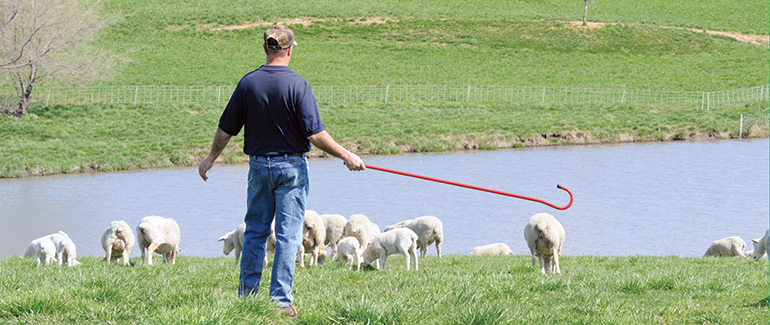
x=705, y=100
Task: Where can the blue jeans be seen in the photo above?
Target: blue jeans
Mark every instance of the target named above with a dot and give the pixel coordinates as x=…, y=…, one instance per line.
x=278, y=188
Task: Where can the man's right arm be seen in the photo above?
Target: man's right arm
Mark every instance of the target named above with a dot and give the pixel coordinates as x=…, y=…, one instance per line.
x=322, y=140
x=221, y=138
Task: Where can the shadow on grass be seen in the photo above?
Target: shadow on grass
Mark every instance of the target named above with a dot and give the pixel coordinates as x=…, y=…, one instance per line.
x=762, y=303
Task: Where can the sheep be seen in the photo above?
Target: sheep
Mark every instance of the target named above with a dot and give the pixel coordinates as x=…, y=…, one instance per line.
x=117, y=241
x=726, y=247
x=349, y=248
x=429, y=229
x=234, y=241
x=545, y=237
x=43, y=249
x=492, y=250
x=313, y=236
x=335, y=228
x=761, y=246
x=401, y=240
x=160, y=235
x=359, y=226
x=65, y=249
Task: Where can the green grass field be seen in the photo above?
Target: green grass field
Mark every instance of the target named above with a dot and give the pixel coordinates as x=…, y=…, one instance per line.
x=455, y=289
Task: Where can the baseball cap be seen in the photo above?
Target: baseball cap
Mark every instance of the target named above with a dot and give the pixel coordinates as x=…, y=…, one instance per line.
x=279, y=37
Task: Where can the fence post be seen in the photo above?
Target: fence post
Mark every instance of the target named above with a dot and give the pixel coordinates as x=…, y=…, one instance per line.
x=543, y=94
x=387, y=92
x=708, y=100
x=702, y=100
x=468, y=95
x=49, y=97
x=136, y=93
x=622, y=99
x=219, y=94
x=740, y=132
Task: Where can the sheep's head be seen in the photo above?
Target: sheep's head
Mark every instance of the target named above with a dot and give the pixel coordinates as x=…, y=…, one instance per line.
x=228, y=241
x=759, y=249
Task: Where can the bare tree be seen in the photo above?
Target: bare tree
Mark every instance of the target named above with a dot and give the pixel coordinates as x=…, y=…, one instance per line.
x=49, y=39
x=585, y=12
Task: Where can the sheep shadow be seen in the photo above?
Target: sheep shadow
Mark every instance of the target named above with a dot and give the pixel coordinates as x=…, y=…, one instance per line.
x=762, y=303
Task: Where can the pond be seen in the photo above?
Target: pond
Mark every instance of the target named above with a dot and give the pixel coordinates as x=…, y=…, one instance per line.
x=671, y=198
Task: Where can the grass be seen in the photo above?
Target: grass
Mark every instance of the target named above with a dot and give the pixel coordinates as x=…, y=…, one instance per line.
x=75, y=139
x=455, y=289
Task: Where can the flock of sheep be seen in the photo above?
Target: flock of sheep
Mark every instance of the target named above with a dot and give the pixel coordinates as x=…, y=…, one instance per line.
x=354, y=240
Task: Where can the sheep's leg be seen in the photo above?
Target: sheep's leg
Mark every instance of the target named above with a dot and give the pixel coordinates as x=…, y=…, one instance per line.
x=334, y=250
x=381, y=262
x=37, y=261
x=406, y=259
x=414, y=255
x=542, y=263
x=301, y=256
x=150, y=250
x=126, y=262
x=141, y=248
x=172, y=256
x=438, y=248
x=59, y=259
x=556, y=263
x=109, y=253
x=238, y=257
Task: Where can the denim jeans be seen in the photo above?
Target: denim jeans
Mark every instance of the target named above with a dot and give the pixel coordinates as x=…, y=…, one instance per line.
x=277, y=189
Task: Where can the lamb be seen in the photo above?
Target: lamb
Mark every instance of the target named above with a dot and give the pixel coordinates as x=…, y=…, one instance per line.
x=492, y=250
x=359, y=226
x=349, y=248
x=43, y=249
x=401, y=240
x=65, y=249
x=726, y=247
x=117, y=241
x=234, y=241
x=761, y=246
x=335, y=229
x=160, y=235
x=545, y=237
x=429, y=229
x=313, y=236
x=57, y=246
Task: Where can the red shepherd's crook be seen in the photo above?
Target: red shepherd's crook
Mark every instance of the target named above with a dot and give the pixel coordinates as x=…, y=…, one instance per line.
x=479, y=188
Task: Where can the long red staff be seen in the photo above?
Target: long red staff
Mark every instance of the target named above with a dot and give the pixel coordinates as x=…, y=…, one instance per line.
x=479, y=188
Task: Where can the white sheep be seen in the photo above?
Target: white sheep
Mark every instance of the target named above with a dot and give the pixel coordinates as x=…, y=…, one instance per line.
x=726, y=247
x=313, y=236
x=492, y=250
x=761, y=246
x=362, y=228
x=429, y=229
x=401, y=240
x=117, y=241
x=234, y=241
x=545, y=237
x=348, y=249
x=160, y=235
x=66, y=252
x=335, y=230
x=43, y=249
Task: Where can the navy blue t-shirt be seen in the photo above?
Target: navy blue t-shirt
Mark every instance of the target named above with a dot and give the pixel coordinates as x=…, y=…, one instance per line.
x=277, y=110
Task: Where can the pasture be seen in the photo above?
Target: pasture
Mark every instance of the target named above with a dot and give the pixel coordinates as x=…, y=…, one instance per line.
x=455, y=289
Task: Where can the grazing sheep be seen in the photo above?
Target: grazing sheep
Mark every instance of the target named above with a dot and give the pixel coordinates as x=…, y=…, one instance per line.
x=313, y=236
x=761, y=246
x=43, y=249
x=359, y=226
x=726, y=247
x=401, y=240
x=335, y=229
x=66, y=252
x=429, y=229
x=117, y=241
x=234, y=241
x=492, y=250
x=347, y=249
x=159, y=235
x=545, y=237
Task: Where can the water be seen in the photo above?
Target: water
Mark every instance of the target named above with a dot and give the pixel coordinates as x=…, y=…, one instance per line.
x=630, y=199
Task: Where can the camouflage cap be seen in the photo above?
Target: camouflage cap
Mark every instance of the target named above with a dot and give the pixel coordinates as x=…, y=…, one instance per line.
x=279, y=37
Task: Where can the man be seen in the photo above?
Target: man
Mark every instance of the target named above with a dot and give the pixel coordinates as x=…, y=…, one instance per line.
x=280, y=118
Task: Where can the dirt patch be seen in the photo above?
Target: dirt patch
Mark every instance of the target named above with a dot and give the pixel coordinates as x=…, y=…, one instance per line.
x=304, y=21
x=746, y=38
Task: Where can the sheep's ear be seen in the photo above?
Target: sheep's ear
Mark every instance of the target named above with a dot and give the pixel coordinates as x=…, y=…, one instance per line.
x=755, y=241
x=222, y=238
